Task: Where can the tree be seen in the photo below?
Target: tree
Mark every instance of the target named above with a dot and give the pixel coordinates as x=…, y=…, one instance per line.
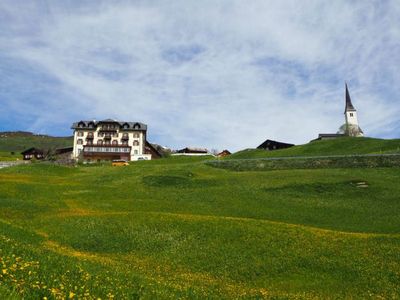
x=350, y=130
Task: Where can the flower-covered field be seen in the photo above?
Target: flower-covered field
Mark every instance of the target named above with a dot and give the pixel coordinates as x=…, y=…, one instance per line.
x=177, y=228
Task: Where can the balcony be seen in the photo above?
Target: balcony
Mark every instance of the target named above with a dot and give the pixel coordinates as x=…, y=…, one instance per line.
x=112, y=149
x=108, y=130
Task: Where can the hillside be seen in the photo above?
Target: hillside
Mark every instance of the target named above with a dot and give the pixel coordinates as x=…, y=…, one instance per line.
x=18, y=141
x=176, y=228
x=339, y=146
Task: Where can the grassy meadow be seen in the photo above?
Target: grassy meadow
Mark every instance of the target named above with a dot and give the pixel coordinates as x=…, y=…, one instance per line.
x=178, y=228
x=338, y=146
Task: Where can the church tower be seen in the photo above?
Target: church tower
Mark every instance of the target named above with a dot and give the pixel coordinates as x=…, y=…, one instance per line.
x=352, y=127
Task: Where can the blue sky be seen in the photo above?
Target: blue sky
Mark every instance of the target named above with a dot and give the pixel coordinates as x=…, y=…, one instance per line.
x=218, y=74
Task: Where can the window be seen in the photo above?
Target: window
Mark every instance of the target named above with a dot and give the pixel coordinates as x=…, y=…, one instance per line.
x=79, y=151
x=125, y=143
x=90, y=135
x=79, y=141
x=136, y=152
x=126, y=126
x=351, y=114
x=100, y=142
x=136, y=135
x=80, y=133
x=125, y=135
x=115, y=142
x=135, y=143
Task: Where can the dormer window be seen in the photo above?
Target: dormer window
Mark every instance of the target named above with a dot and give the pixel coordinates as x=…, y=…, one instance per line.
x=81, y=124
x=351, y=114
x=136, y=126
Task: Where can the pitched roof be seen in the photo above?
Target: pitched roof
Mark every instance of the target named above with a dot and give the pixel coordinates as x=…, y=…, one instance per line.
x=349, y=105
x=32, y=150
x=272, y=142
x=193, y=150
x=131, y=125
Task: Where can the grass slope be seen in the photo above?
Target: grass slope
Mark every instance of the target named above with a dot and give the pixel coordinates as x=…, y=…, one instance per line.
x=19, y=141
x=176, y=228
x=339, y=146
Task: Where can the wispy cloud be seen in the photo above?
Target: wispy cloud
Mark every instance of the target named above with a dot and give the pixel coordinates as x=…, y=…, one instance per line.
x=225, y=74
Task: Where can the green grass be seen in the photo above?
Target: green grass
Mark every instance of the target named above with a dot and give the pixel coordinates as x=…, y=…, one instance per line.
x=263, y=164
x=177, y=228
x=339, y=146
x=9, y=156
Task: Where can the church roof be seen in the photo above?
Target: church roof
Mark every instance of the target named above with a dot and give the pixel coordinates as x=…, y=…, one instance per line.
x=349, y=105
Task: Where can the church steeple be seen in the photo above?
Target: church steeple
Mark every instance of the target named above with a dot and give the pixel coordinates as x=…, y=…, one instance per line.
x=349, y=105
x=350, y=113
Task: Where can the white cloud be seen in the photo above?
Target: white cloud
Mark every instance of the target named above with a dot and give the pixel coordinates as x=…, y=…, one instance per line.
x=224, y=74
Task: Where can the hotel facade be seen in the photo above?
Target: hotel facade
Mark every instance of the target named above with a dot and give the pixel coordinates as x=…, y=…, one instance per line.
x=109, y=139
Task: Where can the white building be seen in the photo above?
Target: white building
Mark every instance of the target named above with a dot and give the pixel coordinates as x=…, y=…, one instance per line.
x=353, y=129
x=109, y=139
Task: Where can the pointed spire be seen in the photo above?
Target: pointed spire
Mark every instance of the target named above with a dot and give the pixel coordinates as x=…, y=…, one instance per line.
x=349, y=105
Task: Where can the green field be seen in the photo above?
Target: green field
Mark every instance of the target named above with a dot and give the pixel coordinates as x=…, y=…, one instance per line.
x=339, y=146
x=12, y=143
x=177, y=228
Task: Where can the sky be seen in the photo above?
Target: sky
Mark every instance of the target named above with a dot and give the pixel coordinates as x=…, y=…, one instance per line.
x=221, y=74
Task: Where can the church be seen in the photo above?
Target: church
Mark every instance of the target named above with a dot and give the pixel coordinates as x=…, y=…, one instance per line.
x=350, y=127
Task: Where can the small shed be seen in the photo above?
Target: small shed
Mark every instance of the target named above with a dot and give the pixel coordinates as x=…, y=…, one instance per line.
x=328, y=136
x=31, y=153
x=64, y=153
x=274, y=145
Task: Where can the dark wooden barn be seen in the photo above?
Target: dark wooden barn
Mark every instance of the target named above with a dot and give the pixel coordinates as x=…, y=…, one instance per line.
x=274, y=145
x=150, y=149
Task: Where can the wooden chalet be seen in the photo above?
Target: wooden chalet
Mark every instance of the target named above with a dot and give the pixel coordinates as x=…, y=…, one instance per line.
x=274, y=145
x=31, y=153
x=224, y=153
x=192, y=151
